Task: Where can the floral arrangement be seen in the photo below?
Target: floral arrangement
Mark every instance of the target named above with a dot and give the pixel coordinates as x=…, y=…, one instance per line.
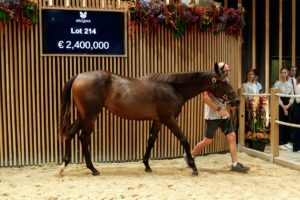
x=263, y=137
x=257, y=122
x=25, y=11
x=180, y=17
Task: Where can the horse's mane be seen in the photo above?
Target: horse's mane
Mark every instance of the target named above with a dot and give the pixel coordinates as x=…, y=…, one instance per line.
x=180, y=77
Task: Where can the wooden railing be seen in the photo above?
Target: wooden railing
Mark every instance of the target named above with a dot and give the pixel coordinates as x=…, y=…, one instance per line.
x=274, y=139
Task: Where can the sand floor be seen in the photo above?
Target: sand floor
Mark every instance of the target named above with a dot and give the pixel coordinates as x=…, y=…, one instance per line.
x=170, y=179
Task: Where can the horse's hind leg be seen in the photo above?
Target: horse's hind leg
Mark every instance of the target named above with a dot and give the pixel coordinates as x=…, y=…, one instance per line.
x=151, y=140
x=173, y=126
x=75, y=127
x=85, y=139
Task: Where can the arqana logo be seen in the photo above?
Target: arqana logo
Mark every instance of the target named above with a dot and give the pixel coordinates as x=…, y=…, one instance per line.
x=83, y=15
x=83, y=19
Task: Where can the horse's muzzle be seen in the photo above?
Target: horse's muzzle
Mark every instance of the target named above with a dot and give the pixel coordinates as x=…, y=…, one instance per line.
x=234, y=103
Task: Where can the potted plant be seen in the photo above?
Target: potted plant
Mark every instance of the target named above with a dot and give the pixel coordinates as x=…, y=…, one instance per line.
x=258, y=134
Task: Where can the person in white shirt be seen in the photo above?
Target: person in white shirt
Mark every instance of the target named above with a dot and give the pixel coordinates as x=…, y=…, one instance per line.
x=250, y=86
x=284, y=87
x=217, y=116
x=296, y=120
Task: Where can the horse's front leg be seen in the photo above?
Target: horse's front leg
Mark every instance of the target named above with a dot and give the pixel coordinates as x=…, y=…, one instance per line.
x=85, y=139
x=76, y=126
x=151, y=140
x=173, y=126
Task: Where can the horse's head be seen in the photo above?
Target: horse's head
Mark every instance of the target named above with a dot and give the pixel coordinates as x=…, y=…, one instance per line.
x=221, y=88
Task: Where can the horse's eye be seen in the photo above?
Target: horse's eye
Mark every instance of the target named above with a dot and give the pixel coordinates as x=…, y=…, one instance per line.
x=214, y=80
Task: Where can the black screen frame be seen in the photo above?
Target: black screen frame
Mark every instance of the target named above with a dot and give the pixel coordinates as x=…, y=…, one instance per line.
x=42, y=53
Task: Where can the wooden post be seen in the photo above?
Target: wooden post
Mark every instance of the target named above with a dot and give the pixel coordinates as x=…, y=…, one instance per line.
x=294, y=32
x=267, y=46
x=274, y=126
x=280, y=36
x=253, y=34
x=241, y=136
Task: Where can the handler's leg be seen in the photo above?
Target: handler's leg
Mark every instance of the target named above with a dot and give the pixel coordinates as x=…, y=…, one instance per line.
x=231, y=139
x=201, y=145
x=236, y=167
x=211, y=127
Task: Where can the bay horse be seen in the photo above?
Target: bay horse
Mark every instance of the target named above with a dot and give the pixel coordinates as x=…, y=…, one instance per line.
x=156, y=97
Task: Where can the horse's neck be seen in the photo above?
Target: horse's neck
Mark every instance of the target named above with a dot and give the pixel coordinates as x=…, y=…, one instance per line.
x=191, y=90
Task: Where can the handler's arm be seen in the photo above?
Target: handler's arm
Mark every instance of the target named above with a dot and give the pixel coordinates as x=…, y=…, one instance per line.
x=207, y=100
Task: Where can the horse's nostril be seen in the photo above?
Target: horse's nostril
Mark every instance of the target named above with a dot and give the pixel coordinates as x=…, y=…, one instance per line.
x=235, y=103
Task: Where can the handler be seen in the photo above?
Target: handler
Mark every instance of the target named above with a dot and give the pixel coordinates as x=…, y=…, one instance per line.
x=217, y=116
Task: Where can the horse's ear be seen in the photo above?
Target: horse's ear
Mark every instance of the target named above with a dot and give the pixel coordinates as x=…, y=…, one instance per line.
x=217, y=68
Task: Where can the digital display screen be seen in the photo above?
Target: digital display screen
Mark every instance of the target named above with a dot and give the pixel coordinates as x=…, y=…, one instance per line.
x=83, y=32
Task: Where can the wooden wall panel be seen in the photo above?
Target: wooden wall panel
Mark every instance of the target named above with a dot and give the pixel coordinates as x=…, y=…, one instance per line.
x=31, y=87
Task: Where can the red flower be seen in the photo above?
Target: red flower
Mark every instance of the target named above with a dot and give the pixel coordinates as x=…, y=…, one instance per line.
x=200, y=11
x=260, y=136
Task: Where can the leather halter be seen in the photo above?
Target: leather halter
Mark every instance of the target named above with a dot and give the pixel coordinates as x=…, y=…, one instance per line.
x=224, y=98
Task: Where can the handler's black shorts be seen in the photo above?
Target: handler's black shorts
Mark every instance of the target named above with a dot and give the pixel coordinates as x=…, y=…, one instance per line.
x=212, y=125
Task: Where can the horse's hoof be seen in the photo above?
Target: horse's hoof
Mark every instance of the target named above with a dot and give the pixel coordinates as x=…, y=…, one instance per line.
x=60, y=171
x=96, y=173
x=195, y=173
x=148, y=170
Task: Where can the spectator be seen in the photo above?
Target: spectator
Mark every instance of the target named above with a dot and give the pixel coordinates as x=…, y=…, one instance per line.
x=296, y=120
x=250, y=85
x=284, y=87
x=293, y=81
x=258, y=84
x=292, y=77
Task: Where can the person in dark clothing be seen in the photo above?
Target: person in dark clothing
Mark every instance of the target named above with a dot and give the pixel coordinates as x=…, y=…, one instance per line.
x=296, y=120
x=284, y=87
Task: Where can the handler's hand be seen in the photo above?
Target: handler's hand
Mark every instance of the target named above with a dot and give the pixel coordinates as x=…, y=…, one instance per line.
x=223, y=113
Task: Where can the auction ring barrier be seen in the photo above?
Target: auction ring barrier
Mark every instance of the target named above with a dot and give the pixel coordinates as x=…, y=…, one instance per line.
x=257, y=95
x=286, y=123
x=274, y=120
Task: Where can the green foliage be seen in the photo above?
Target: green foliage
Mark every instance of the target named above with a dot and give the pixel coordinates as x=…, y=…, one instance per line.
x=24, y=11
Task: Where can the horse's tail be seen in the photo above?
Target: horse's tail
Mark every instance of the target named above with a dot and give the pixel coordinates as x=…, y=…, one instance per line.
x=65, y=107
